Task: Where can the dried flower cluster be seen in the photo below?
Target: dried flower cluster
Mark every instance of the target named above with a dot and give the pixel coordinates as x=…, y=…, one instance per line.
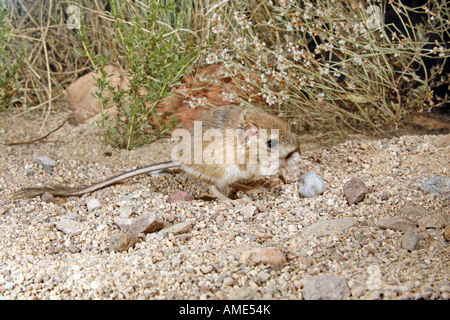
x=332, y=61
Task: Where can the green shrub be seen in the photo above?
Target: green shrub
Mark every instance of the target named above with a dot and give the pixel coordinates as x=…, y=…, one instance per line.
x=154, y=55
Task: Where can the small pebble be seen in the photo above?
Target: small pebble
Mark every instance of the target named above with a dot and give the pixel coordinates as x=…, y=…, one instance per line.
x=410, y=241
x=437, y=185
x=385, y=195
x=435, y=221
x=179, y=228
x=447, y=233
x=397, y=223
x=93, y=204
x=267, y=255
x=48, y=197
x=45, y=161
x=248, y=210
x=310, y=185
x=327, y=227
x=179, y=196
x=122, y=242
x=206, y=269
x=355, y=190
x=70, y=227
x=413, y=210
x=323, y=287
x=148, y=222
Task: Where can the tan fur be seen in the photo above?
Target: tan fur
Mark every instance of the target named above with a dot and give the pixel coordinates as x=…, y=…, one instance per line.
x=252, y=127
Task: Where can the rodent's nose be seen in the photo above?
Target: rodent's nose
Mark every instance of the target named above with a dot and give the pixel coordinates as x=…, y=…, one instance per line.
x=292, y=154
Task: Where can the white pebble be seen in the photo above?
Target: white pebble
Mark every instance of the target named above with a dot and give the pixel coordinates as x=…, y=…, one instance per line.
x=93, y=204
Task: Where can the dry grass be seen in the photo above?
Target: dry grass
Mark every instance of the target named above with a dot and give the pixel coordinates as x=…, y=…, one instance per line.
x=325, y=63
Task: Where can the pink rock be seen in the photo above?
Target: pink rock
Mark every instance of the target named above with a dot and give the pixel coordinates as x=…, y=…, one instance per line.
x=179, y=196
x=146, y=223
x=268, y=255
x=355, y=190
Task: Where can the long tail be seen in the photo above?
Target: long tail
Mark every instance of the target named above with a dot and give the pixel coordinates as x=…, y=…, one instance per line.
x=62, y=191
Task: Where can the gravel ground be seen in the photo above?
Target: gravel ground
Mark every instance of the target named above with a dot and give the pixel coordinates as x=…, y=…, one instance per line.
x=358, y=258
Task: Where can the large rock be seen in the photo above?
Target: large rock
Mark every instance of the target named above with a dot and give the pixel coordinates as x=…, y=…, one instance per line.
x=81, y=95
x=205, y=87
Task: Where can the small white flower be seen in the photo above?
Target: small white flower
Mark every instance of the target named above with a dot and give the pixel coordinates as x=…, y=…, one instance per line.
x=241, y=19
x=320, y=96
x=211, y=58
x=289, y=27
x=196, y=102
x=324, y=70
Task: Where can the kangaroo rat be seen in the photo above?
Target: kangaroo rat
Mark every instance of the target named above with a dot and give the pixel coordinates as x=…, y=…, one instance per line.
x=227, y=145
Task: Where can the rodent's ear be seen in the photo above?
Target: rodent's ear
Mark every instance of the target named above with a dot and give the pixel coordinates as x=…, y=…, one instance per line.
x=251, y=132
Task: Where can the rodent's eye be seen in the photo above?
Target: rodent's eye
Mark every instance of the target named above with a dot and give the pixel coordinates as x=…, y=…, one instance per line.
x=271, y=143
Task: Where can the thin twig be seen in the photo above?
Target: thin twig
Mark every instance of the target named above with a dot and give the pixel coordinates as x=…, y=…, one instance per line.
x=37, y=139
x=49, y=90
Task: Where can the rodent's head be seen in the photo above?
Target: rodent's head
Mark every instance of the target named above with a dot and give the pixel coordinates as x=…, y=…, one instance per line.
x=277, y=145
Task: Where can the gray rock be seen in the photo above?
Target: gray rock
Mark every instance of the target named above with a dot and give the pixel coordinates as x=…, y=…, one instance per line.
x=413, y=210
x=126, y=211
x=48, y=197
x=397, y=223
x=355, y=190
x=45, y=161
x=70, y=227
x=324, y=287
x=122, y=242
x=93, y=204
x=179, y=228
x=248, y=210
x=435, y=221
x=330, y=226
x=73, y=216
x=123, y=223
x=310, y=185
x=437, y=185
x=410, y=241
x=385, y=195
x=146, y=223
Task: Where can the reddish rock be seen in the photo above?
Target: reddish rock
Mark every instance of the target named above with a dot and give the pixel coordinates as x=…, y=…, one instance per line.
x=207, y=86
x=179, y=196
x=81, y=95
x=355, y=190
x=268, y=255
x=146, y=223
